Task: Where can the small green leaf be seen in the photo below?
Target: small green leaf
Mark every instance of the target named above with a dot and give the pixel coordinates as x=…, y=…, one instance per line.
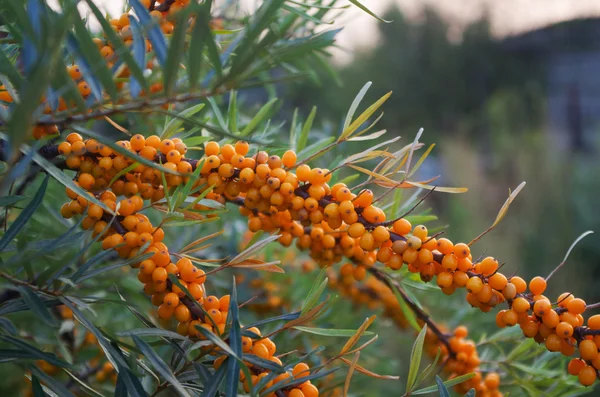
x=355, y=103
x=448, y=383
x=52, y=383
x=315, y=292
x=330, y=332
x=66, y=181
x=303, y=138
x=25, y=347
x=152, y=332
x=365, y=9
x=211, y=387
x=121, y=150
x=7, y=201
x=24, y=216
x=173, y=126
x=260, y=116
x=176, y=49
x=159, y=365
x=442, y=389
x=415, y=359
x=36, y=387
x=37, y=306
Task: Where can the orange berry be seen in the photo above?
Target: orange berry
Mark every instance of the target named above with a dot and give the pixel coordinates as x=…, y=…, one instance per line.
x=576, y=306
x=564, y=329
x=575, y=366
x=537, y=285
x=588, y=349
x=521, y=305
x=587, y=375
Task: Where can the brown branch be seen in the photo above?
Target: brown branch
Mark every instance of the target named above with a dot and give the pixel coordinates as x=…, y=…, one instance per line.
x=420, y=313
x=148, y=104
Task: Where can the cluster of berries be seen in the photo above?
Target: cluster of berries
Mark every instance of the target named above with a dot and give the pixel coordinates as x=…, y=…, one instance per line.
x=131, y=233
x=330, y=221
x=162, y=13
x=458, y=354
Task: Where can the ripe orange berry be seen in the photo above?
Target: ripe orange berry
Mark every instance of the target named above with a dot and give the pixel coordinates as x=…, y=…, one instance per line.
x=289, y=159
x=402, y=227
x=64, y=148
x=84, y=89
x=182, y=314
x=521, y=305
x=588, y=349
x=86, y=181
x=537, y=285
x=594, y=321
x=310, y=390
x=300, y=370
x=575, y=366
x=541, y=307
x=165, y=312
x=488, y=266
x=587, y=375
x=576, y=306
x=498, y=282
x=171, y=299
x=420, y=231
x=492, y=380
x=381, y=234
x=510, y=317
x=159, y=275
x=553, y=342
x=474, y=285
x=564, y=329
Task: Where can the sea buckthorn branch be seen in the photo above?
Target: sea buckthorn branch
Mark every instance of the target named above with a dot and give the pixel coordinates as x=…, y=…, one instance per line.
x=130, y=230
x=334, y=222
x=419, y=312
x=459, y=358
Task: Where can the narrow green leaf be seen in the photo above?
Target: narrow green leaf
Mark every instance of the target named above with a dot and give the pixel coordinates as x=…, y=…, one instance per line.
x=260, y=116
x=66, y=181
x=52, y=383
x=211, y=387
x=303, y=138
x=315, y=292
x=159, y=365
x=355, y=103
x=448, y=383
x=176, y=50
x=37, y=306
x=232, y=116
x=173, y=126
x=152, y=332
x=235, y=341
x=408, y=313
x=50, y=358
x=442, y=389
x=330, y=331
x=36, y=387
x=264, y=363
x=415, y=359
x=24, y=216
x=7, y=201
x=121, y=150
x=365, y=9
